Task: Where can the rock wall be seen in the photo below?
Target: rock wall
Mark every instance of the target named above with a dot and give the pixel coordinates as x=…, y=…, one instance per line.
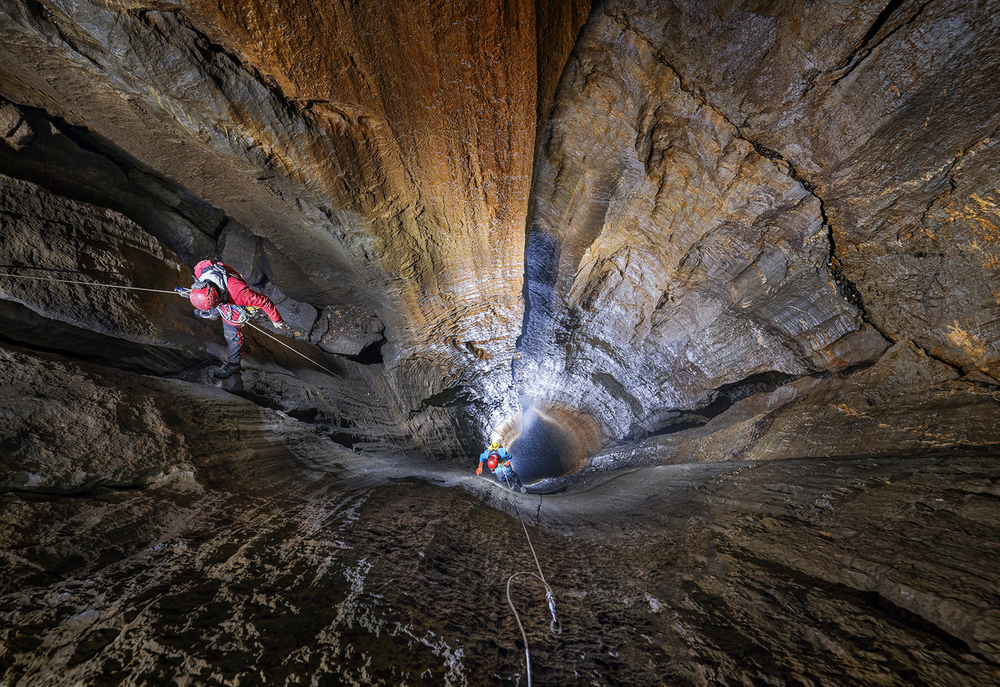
x=106, y=297
x=888, y=112
x=730, y=190
x=696, y=223
x=669, y=256
x=276, y=557
x=719, y=274
x=384, y=153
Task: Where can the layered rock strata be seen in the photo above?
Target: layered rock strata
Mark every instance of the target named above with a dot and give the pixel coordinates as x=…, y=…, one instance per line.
x=668, y=257
x=268, y=554
x=889, y=112
x=730, y=298
x=106, y=296
x=393, y=179
x=761, y=186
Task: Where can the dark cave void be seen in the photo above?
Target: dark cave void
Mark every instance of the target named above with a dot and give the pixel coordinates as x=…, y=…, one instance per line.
x=548, y=441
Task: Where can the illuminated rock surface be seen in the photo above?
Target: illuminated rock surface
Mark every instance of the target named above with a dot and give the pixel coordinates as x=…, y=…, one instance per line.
x=722, y=277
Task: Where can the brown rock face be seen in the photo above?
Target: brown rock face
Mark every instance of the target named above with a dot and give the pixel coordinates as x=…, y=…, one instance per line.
x=396, y=178
x=721, y=276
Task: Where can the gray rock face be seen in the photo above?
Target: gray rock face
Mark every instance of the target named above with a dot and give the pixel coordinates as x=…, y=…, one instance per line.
x=670, y=257
x=890, y=114
x=721, y=276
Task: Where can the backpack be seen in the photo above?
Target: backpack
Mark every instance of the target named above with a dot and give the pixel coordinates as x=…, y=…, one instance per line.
x=217, y=276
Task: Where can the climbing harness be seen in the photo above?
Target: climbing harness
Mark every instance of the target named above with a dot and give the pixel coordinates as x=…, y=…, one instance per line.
x=506, y=475
x=242, y=316
x=555, y=627
x=505, y=472
x=235, y=314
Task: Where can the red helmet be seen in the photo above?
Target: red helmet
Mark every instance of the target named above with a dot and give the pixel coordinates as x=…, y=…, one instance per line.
x=204, y=297
x=493, y=460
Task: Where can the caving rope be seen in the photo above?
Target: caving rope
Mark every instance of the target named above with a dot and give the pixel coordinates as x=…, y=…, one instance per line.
x=85, y=283
x=245, y=318
x=555, y=627
x=177, y=291
x=278, y=339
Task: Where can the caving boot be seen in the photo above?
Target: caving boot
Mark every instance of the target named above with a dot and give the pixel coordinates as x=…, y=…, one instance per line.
x=228, y=370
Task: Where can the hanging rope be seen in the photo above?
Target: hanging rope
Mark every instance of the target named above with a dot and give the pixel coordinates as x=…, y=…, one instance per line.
x=85, y=283
x=178, y=291
x=555, y=627
x=527, y=656
x=278, y=339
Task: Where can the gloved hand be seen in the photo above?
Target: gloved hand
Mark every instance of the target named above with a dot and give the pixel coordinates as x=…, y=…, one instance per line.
x=479, y=470
x=281, y=325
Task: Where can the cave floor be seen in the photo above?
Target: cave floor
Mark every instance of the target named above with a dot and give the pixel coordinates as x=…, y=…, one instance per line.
x=303, y=562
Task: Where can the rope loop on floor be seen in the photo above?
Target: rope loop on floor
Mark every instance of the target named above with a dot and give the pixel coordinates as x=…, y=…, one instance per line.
x=555, y=627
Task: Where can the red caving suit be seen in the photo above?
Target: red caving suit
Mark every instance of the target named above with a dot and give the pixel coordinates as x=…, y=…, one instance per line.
x=234, y=292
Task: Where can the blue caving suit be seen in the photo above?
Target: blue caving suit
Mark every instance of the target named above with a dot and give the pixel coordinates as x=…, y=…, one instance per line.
x=504, y=471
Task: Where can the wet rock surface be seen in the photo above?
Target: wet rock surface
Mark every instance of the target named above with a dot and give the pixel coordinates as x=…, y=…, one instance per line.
x=279, y=558
x=721, y=276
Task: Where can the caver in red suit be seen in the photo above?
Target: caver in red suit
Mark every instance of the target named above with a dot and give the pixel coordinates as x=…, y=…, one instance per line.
x=221, y=292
